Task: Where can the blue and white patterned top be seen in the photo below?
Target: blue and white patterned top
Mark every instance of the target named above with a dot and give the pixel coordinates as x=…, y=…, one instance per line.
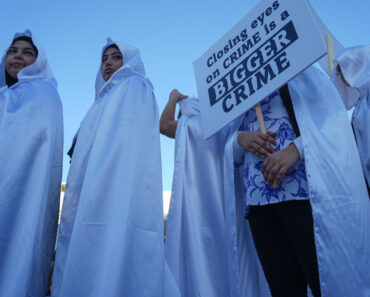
x=293, y=186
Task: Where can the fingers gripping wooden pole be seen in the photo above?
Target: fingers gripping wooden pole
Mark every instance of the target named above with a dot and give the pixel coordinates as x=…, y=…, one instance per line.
x=261, y=122
x=330, y=47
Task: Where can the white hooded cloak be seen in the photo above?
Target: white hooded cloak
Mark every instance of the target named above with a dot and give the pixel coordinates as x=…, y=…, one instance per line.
x=355, y=66
x=31, y=147
x=111, y=235
x=209, y=250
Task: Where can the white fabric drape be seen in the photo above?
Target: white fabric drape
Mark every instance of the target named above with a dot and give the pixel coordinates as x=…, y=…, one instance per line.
x=111, y=234
x=31, y=146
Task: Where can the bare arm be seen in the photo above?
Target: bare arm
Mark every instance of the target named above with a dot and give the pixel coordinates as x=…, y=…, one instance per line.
x=167, y=123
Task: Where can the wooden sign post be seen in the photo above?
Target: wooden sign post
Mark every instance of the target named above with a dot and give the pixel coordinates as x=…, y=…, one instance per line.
x=330, y=47
x=260, y=119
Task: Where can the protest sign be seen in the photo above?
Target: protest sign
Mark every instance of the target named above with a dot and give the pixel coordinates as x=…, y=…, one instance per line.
x=268, y=47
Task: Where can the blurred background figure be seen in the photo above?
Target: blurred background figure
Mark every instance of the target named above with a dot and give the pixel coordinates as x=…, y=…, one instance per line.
x=352, y=79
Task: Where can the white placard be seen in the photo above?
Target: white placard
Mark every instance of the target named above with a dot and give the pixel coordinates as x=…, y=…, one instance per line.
x=268, y=47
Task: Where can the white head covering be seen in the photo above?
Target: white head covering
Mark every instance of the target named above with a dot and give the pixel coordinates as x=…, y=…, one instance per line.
x=355, y=66
x=132, y=65
x=39, y=69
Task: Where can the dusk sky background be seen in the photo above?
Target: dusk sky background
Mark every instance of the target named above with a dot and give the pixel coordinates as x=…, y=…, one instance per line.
x=171, y=35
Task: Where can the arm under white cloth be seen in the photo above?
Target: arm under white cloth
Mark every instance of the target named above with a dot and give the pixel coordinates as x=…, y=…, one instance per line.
x=299, y=145
x=238, y=151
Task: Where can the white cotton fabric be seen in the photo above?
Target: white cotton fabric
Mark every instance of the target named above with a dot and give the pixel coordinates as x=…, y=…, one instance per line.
x=209, y=250
x=31, y=145
x=111, y=235
x=355, y=66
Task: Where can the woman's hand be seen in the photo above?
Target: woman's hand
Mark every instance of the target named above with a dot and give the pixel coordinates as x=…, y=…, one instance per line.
x=257, y=142
x=176, y=96
x=276, y=165
x=167, y=122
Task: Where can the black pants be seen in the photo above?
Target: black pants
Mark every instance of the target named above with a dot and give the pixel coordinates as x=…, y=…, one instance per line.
x=284, y=240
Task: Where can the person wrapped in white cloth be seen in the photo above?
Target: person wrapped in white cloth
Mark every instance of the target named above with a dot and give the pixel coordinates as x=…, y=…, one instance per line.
x=352, y=79
x=31, y=152
x=111, y=235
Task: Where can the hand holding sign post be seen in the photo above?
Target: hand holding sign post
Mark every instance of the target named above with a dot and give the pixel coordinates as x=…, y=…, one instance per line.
x=268, y=47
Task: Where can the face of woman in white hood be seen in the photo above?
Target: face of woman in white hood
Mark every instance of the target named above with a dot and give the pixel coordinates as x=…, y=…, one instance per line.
x=112, y=60
x=20, y=55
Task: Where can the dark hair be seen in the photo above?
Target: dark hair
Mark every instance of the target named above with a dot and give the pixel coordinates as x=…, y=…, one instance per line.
x=11, y=80
x=27, y=39
x=111, y=46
